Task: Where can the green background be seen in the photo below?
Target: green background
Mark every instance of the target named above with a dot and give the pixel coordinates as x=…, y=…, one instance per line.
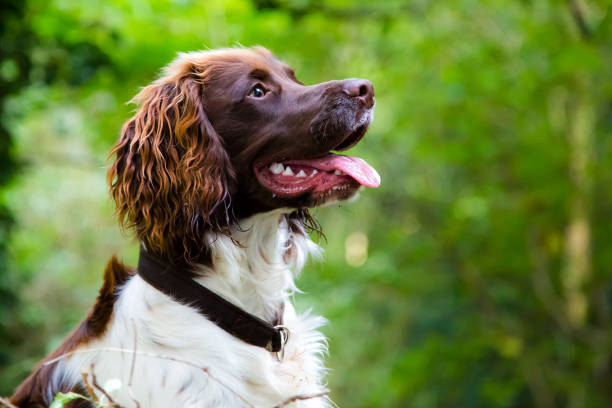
x=486, y=280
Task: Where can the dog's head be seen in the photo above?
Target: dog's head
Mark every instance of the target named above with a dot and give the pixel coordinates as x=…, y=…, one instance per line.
x=226, y=134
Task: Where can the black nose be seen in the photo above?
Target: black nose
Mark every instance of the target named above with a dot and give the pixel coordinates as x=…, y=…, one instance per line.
x=362, y=89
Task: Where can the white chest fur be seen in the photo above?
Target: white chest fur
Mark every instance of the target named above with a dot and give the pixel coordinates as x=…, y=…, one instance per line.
x=159, y=353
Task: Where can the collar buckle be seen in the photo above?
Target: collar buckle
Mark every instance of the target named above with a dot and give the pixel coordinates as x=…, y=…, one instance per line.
x=284, y=333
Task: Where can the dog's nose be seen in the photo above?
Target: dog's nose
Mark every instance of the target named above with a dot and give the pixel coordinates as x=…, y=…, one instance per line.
x=362, y=89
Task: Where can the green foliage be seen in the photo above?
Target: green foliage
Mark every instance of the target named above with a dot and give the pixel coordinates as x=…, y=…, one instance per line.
x=12, y=37
x=61, y=399
x=485, y=280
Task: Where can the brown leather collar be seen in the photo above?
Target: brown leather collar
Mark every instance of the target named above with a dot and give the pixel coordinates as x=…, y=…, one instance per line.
x=176, y=283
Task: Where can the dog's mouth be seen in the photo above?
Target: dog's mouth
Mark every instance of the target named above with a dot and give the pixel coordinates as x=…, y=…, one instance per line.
x=331, y=172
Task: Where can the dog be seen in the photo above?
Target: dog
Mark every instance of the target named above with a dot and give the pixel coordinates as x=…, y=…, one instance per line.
x=215, y=174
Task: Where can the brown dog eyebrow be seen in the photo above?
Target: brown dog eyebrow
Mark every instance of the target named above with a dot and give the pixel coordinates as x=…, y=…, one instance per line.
x=291, y=74
x=259, y=73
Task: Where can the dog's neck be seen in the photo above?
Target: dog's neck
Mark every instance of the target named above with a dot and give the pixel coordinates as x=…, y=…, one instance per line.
x=254, y=268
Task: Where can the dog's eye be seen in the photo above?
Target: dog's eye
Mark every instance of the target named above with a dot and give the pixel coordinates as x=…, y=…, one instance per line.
x=257, y=92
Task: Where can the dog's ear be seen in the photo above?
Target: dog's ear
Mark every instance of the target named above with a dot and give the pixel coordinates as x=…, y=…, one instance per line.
x=171, y=170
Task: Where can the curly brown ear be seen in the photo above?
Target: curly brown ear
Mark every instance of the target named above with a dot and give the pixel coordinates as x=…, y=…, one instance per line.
x=171, y=170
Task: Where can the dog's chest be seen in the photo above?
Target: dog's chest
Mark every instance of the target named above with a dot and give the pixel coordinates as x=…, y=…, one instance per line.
x=159, y=353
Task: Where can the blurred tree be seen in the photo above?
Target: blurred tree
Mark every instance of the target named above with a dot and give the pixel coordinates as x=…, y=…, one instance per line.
x=13, y=65
x=22, y=65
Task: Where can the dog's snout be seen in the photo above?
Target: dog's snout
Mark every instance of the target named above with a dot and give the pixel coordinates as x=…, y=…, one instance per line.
x=362, y=89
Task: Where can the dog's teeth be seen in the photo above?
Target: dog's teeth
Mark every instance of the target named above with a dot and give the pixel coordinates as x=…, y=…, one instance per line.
x=301, y=174
x=273, y=195
x=288, y=172
x=277, y=168
x=338, y=172
x=315, y=171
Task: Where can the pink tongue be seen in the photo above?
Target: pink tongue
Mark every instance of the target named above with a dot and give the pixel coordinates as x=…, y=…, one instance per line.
x=355, y=167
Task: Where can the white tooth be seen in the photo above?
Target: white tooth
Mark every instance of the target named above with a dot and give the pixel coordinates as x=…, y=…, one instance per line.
x=315, y=171
x=338, y=172
x=301, y=174
x=277, y=168
x=288, y=171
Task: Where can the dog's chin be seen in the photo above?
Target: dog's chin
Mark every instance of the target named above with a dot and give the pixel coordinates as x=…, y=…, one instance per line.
x=338, y=194
x=343, y=192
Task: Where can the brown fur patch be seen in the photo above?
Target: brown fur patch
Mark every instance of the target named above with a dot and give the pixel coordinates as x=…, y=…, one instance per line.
x=32, y=393
x=171, y=170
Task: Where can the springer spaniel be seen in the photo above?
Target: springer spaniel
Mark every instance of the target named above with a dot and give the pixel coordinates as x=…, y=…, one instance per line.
x=215, y=174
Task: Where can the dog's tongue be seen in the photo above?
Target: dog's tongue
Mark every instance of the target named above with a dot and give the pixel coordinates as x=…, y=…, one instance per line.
x=355, y=167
